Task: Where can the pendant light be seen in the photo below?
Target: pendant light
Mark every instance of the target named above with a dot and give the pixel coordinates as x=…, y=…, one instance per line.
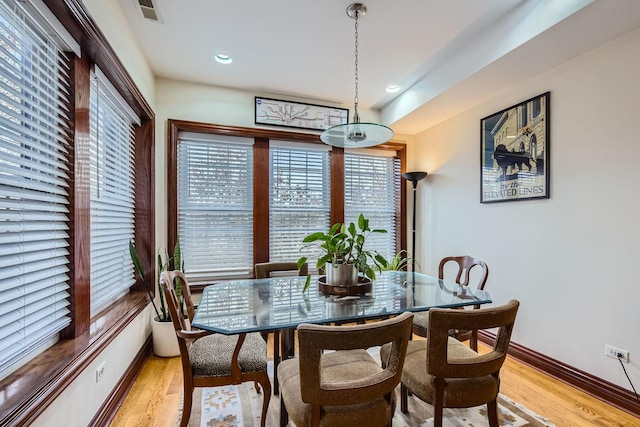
x=356, y=134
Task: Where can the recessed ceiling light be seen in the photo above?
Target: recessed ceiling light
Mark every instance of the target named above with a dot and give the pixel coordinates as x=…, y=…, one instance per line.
x=392, y=88
x=223, y=58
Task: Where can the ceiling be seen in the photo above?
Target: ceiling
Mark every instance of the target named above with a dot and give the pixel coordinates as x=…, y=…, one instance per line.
x=446, y=55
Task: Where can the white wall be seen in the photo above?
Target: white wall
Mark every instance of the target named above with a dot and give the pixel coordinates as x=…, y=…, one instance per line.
x=571, y=259
x=78, y=403
x=179, y=100
x=114, y=25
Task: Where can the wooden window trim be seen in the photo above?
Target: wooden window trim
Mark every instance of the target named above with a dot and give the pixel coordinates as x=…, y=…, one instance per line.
x=261, y=139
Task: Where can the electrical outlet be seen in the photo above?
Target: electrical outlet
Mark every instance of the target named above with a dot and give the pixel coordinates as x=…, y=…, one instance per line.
x=614, y=352
x=100, y=372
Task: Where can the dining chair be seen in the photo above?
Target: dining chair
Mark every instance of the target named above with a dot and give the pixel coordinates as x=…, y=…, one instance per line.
x=448, y=374
x=347, y=386
x=464, y=265
x=209, y=359
x=265, y=270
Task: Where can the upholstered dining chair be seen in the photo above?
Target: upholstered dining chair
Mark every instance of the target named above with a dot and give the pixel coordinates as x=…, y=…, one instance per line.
x=345, y=387
x=448, y=374
x=464, y=266
x=209, y=359
x=264, y=270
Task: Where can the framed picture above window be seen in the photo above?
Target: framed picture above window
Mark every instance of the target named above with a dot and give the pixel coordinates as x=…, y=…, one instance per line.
x=514, y=152
x=276, y=112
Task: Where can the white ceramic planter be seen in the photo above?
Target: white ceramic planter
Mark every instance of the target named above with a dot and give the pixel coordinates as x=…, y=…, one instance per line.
x=165, y=342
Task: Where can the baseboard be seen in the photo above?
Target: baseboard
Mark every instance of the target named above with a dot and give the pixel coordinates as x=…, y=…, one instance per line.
x=592, y=385
x=109, y=407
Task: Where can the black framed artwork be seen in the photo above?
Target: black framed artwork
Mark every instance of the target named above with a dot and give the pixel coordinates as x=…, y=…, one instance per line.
x=514, y=152
x=277, y=112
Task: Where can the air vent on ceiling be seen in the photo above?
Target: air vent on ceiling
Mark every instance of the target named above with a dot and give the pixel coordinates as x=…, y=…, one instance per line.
x=148, y=10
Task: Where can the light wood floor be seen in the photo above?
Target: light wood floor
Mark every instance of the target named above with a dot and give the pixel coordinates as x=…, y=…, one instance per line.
x=155, y=397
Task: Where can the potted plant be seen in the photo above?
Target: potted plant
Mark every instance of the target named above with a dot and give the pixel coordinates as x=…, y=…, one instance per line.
x=165, y=343
x=343, y=255
x=400, y=261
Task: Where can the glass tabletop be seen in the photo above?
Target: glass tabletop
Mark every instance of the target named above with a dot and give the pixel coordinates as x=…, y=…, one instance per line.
x=252, y=305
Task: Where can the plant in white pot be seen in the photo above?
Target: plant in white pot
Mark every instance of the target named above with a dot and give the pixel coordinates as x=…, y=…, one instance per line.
x=343, y=255
x=165, y=343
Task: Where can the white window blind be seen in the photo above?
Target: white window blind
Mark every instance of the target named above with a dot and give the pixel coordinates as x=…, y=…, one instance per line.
x=372, y=187
x=112, y=193
x=34, y=197
x=300, y=200
x=215, y=206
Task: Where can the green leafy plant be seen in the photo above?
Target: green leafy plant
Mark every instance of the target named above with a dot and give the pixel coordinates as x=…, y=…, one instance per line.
x=400, y=261
x=344, y=244
x=164, y=264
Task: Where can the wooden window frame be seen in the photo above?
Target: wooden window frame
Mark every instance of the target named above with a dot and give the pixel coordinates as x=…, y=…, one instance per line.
x=261, y=139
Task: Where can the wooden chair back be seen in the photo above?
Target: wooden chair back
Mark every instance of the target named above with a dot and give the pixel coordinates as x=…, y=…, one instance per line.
x=263, y=270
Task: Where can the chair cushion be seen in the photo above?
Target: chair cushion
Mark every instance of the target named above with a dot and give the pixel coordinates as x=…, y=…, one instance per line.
x=211, y=356
x=459, y=392
x=337, y=366
x=421, y=323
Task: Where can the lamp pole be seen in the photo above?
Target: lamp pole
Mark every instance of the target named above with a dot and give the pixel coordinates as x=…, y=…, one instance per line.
x=414, y=177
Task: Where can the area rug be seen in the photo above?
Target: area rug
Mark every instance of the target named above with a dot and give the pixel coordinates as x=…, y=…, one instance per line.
x=241, y=406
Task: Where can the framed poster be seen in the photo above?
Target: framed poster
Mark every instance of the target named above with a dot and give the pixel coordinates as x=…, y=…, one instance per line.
x=276, y=112
x=514, y=152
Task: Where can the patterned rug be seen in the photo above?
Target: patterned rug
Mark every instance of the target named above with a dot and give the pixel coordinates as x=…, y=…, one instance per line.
x=240, y=406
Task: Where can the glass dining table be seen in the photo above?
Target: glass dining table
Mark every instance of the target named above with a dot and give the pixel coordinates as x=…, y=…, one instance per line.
x=278, y=304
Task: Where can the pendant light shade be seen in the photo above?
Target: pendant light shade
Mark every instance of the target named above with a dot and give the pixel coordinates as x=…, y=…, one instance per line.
x=356, y=134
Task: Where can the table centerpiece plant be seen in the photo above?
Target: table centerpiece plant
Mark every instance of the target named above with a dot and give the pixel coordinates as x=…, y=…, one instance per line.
x=343, y=245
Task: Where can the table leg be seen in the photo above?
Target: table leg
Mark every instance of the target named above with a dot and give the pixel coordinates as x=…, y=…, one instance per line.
x=284, y=415
x=276, y=361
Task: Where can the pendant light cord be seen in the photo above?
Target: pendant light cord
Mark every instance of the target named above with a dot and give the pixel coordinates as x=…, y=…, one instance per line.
x=356, y=115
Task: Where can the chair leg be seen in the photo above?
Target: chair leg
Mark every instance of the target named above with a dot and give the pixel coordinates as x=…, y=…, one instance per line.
x=284, y=415
x=438, y=402
x=266, y=397
x=404, y=407
x=437, y=416
x=186, y=406
x=473, y=341
x=276, y=361
x=492, y=413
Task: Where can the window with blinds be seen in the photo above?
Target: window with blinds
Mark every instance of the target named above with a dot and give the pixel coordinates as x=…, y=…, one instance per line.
x=299, y=200
x=215, y=206
x=372, y=187
x=34, y=191
x=112, y=193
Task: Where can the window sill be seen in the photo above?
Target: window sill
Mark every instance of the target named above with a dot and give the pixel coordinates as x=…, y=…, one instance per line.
x=27, y=392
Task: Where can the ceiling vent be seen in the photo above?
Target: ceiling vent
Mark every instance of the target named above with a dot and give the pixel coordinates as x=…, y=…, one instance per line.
x=148, y=10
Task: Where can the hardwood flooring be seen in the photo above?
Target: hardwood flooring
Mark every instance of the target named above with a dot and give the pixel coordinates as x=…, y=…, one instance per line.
x=155, y=397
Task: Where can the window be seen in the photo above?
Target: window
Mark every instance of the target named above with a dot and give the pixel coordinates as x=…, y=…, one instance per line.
x=281, y=186
x=34, y=187
x=215, y=205
x=45, y=200
x=112, y=199
x=299, y=197
x=372, y=187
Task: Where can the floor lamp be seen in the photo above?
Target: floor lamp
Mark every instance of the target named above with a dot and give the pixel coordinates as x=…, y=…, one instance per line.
x=414, y=177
